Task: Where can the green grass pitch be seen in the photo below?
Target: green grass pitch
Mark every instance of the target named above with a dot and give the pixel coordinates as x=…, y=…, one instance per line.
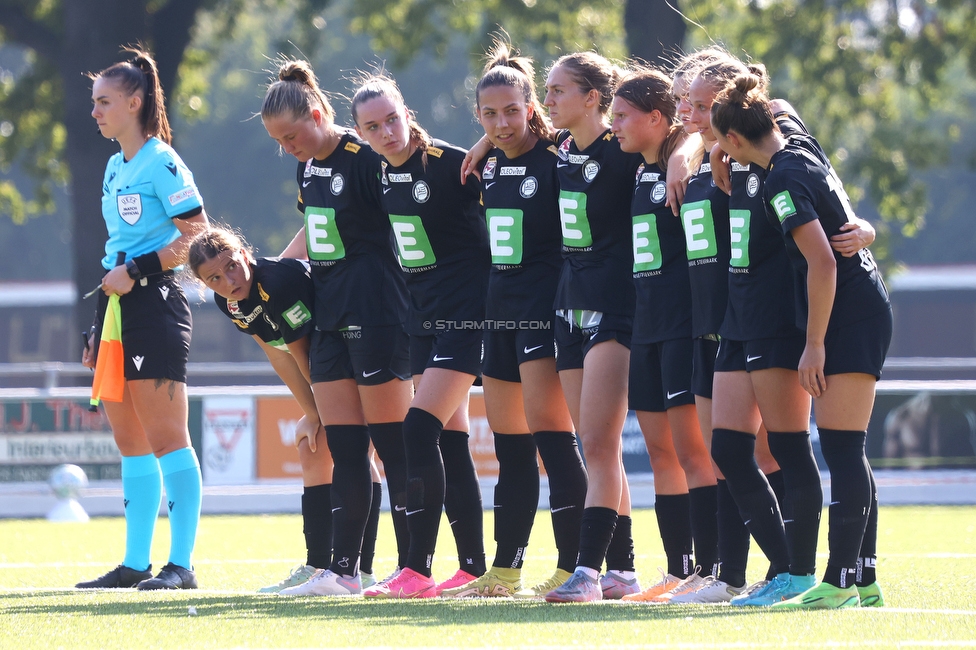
x=927, y=568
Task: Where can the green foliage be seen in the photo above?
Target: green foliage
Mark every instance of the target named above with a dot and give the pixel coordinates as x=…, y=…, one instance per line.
x=32, y=137
x=543, y=28
x=866, y=77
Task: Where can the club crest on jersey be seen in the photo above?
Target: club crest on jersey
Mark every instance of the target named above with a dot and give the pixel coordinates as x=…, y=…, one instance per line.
x=338, y=182
x=130, y=207
x=590, y=170
x=489, y=170
x=659, y=191
x=528, y=187
x=752, y=185
x=421, y=192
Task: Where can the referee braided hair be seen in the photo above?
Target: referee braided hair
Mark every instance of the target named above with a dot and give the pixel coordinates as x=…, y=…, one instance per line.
x=648, y=90
x=743, y=106
x=139, y=75
x=378, y=84
x=296, y=92
x=505, y=67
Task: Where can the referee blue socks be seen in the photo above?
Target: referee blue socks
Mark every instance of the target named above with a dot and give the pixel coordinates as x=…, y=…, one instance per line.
x=184, y=494
x=141, y=491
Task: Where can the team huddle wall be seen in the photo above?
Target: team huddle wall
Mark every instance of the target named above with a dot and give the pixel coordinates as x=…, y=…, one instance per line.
x=242, y=436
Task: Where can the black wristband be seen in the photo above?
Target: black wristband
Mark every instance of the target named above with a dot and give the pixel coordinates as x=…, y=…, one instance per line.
x=133, y=270
x=148, y=264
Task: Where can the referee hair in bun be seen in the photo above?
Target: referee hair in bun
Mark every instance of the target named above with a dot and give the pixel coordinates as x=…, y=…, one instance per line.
x=212, y=242
x=379, y=84
x=649, y=89
x=742, y=106
x=591, y=71
x=139, y=75
x=295, y=91
x=505, y=67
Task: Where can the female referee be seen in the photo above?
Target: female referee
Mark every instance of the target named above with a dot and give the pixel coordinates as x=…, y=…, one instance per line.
x=358, y=352
x=523, y=398
x=443, y=250
x=152, y=210
x=846, y=316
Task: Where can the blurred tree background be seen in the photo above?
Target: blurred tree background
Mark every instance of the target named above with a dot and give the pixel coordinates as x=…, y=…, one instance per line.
x=886, y=85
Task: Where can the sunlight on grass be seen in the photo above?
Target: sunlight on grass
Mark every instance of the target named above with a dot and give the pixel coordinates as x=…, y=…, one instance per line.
x=236, y=555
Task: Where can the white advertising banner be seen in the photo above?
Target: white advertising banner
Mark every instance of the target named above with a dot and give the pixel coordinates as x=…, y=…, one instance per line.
x=228, y=440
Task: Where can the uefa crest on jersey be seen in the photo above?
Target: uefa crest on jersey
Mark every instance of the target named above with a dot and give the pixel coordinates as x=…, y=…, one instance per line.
x=130, y=207
x=528, y=187
x=659, y=192
x=489, y=170
x=752, y=185
x=338, y=182
x=421, y=192
x=590, y=170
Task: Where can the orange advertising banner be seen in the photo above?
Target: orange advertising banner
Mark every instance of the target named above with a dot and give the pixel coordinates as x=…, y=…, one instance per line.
x=276, y=419
x=277, y=457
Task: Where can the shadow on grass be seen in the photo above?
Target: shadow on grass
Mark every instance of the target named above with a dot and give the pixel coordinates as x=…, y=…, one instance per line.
x=375, y=612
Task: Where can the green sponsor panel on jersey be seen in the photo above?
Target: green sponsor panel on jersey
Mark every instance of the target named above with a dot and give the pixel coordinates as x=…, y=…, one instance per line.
x=322, y=235
x=783, y=205
x=572, y=216
x=505, y=235
x=297, y=315
x=647, y=244
x=739, y=221
x=413, y=245
x=699, y=226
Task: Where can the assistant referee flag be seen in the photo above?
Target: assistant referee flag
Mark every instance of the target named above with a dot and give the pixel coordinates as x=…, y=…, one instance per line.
x=109, y=382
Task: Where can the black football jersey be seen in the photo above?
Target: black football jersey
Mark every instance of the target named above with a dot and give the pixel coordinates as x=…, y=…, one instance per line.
x=595, y=186
x=660, y=265
x=348, y=239
x=278, y=309
x=799, y=189
x=520, y=198
x=440, y=235
x=705, y=219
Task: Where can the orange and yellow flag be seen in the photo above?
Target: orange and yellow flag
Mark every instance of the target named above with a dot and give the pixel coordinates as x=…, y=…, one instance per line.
x=109, y=382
